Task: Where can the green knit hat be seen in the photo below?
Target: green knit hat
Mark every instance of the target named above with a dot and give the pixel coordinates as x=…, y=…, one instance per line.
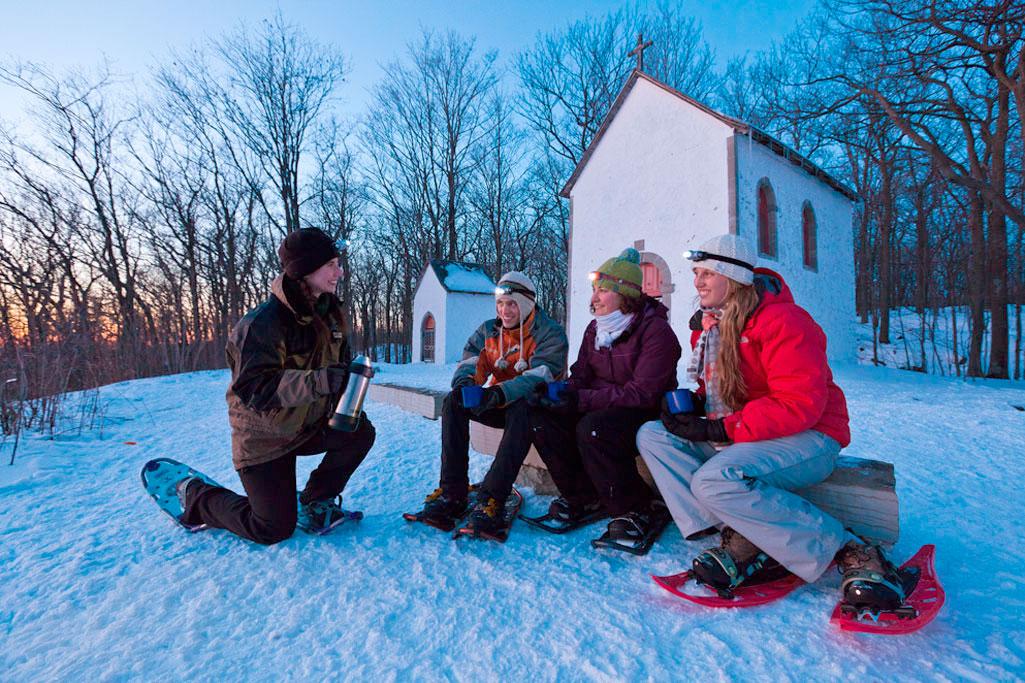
x=620, y=274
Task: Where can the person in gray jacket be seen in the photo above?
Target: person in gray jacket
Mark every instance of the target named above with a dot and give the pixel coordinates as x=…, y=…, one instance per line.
x=509, y=356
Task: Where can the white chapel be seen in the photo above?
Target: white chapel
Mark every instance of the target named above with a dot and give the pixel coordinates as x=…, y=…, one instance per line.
x=451, y=299
x=665, y=172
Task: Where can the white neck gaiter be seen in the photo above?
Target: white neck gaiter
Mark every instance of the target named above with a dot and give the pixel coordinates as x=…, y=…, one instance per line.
x=610, y=327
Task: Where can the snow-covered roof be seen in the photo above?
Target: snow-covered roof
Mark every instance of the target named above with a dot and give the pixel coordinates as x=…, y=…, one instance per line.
x=739, y=126
x=458, y=276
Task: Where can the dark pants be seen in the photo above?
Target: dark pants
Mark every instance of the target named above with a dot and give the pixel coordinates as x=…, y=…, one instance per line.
x=455, y=447
x=593, y=455
x=267, y=514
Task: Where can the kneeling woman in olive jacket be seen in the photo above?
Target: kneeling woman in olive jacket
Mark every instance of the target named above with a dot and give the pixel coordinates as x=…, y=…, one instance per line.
x=288, y=359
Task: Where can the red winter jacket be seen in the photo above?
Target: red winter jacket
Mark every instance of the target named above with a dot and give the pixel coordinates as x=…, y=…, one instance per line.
x=790, y=387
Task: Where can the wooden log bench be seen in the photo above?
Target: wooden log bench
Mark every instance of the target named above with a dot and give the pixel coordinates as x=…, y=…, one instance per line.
x=861, y=493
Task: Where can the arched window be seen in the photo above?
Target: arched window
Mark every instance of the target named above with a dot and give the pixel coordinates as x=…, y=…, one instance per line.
x=427, y=339
x=809, y=237
x=766, y=219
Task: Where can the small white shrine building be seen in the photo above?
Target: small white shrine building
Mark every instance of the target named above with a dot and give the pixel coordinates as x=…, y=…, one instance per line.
x=451, y=299
x=665, y=172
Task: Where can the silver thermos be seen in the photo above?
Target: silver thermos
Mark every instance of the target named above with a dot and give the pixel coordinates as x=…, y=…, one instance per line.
x=350, y=405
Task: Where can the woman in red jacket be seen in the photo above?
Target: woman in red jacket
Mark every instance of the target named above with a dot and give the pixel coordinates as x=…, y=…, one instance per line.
x=768, y=420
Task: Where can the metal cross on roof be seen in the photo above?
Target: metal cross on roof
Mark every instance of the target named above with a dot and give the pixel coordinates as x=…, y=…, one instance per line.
x=639, y=51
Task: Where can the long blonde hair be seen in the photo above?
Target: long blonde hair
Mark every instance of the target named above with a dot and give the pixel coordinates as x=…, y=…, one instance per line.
x=741, y=301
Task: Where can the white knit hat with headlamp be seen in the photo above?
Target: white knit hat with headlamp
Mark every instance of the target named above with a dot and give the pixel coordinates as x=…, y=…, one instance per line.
x=522, y=290
x=730, y=255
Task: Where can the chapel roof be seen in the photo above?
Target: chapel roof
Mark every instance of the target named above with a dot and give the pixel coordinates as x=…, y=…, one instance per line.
x=738, y=126
x=462, y=277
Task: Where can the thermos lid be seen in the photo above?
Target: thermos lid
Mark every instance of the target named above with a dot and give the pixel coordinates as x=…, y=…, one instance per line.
x=361, y=365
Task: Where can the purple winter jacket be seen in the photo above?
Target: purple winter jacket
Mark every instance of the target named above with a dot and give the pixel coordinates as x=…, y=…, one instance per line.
x=635, y=371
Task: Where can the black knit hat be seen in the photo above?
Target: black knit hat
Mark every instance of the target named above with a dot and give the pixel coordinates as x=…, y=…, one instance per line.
x=303, y=251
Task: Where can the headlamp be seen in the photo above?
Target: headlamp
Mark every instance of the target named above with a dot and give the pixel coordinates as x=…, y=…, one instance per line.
x=697, y=255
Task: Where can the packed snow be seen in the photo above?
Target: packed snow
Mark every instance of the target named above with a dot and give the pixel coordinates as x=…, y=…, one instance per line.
x=98, y=584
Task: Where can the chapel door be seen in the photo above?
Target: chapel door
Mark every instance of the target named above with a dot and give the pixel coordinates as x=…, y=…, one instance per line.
x=651, y=283
x=427, y=339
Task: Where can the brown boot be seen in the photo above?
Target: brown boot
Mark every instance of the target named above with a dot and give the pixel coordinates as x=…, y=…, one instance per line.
x=736, y=561
x=870, y=581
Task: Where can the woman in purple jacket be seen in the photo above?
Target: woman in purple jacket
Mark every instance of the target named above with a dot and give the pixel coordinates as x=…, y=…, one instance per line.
x=627, y=361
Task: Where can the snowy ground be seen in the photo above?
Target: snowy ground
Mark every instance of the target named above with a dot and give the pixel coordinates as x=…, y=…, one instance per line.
x=98, y=584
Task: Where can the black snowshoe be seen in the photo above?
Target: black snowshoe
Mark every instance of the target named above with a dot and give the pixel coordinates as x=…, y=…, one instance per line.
x=635, y=532
x=565, y=516
x=492, y=518
x=322, y=516
x=442, y=510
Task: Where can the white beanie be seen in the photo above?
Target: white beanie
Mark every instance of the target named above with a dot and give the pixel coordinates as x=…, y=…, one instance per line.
x=729, y=255
x=520, y=289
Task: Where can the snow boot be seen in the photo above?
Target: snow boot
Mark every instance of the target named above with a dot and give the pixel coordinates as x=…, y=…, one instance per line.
x=637, y=525
x=320, y=516
x=182, y=489
x=569, y=513
x=870, y=581
x=488, y=516
x=736, y=561
x=442, y=507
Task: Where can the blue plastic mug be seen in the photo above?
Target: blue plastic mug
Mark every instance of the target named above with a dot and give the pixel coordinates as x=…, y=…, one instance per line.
x=556, y=390
x=472, y=396
x=680, y=401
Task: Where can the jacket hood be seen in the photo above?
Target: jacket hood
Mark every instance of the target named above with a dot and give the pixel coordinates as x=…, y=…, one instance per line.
x=772, y=288
x=289, y=292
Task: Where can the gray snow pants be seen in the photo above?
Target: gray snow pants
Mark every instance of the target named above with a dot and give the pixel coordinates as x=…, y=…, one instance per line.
x=747, y=486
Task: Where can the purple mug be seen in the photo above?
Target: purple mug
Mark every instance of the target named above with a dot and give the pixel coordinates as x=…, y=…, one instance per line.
x=680, y=401
x=472, y=396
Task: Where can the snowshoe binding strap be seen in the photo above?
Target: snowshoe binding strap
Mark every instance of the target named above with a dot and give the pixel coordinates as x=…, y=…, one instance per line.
x=626, y=528
x=716, y=569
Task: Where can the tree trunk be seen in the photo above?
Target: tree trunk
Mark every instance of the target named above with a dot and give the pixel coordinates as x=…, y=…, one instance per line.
x=976, y=284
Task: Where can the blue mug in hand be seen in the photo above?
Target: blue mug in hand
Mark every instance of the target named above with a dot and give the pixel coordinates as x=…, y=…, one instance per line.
x=680, y=401
x=472, y=396
x=556, y=390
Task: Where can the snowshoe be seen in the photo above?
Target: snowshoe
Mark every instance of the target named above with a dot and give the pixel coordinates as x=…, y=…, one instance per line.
x=161, y=477
x=745, y=595
x=635, y=532
x=564, y=516
x=735, y=562
x=442, y=511
x=492, y=519
x=321, y=516
x=896, y=600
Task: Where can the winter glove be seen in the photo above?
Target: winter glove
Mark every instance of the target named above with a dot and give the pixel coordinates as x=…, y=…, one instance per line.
x=533, y=399
x=567, y=405
x=694, y=428
x=699, y=403
x=493, y=397
x=464, y=381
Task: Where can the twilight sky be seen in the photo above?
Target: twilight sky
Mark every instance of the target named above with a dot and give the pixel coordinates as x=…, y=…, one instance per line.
x=135, y=34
